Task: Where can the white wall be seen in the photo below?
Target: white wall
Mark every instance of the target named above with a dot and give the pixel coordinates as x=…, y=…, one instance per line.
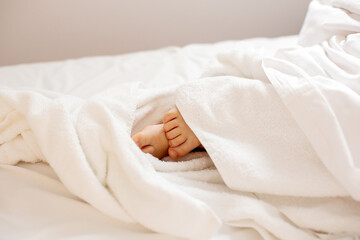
x=46, y=30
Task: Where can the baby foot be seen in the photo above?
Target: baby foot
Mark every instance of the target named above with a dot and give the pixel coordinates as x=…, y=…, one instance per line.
x=152, y=140
x=181, y=138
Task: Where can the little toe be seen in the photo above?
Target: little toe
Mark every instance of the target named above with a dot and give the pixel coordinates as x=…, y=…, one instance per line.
x=173, y=133
x=177, y=141
x=170, y=125
x=170, y=115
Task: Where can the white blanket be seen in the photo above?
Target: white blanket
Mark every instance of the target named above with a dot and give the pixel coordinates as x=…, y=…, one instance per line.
x=320, y=85
x=278, y=170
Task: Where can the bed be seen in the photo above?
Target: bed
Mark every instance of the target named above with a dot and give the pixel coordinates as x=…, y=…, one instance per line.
x=47, y=193
x=31, y=201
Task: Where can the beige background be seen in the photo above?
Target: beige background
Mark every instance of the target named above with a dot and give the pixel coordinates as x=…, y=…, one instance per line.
x=47, y=30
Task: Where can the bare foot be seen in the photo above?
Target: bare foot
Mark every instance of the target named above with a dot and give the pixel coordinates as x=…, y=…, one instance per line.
x=181, y=138
x=152, y=140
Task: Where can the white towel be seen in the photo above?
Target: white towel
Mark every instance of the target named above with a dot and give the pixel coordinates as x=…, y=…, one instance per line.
x=88, y=145
x=253, y=140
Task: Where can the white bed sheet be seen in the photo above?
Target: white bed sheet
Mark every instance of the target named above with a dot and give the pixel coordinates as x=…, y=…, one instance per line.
x=34, y=204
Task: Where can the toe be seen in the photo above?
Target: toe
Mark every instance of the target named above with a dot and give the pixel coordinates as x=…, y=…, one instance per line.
x=138, y=139
x=170, y=115
x=171, y=125
x=177, y=141
x=152, y=139
x=172, y=153
x=173, y=133
x=182, y=149
x=148, y=149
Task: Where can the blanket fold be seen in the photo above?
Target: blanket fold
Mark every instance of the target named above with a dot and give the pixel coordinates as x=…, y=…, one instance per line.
x=253, y=140
x=323, y=81
x=88, y=145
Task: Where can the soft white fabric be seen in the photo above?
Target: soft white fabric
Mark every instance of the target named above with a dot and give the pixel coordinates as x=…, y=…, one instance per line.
x=323, y=81
x=32, y=207
x=252, y=138
x=58, y=115
x=282, y=173
x=304, y=143
x=35, y=205
x=88, y=144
